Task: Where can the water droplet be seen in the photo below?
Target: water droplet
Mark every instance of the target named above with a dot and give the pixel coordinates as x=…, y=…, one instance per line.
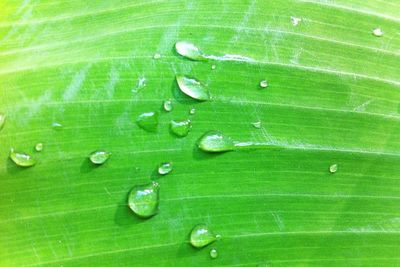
x=263, y=84
x=213, y=253
x=295, y=21
x=201, y=236
x=256, y=124
x=2, y=120
x=141, y=83
x=193, y=88
x=99, y=157
x=22, y=159
x=192, y=111
x=181, y=128
x=57, y=126
x=39, y=147
x=165, y=168
x=189, y=51
x=377, y=32
x=213, y=67
x=167, y=105
x=148, y=121
x=156, y=56
x=215, y=141
x=333, y=168
x=143, y=200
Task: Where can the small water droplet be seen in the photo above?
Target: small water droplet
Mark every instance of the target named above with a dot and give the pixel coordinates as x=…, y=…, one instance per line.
x=213, y=253
x=333, y=168
x=39, y=147
x=192, y=111
x=377, y=32
x=213, y=67
x=143, y=200
x=295, y=21
x=22, y=159
x=2, y=120
x=165, y=168
x=215, y=141
x=181, y=128
x=167, y=105
x=148, y=121
x=201, y=236
x=156, y=56
x=256, y=124
x=263, y=84
x=57, y=126
x=189, y=51
x=141, y=83
x=193, y=88
x=99, y=157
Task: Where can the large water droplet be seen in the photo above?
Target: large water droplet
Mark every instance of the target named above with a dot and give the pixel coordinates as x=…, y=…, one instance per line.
x=377, y=32
x=167, y=105
x=143, y=200
x=181, y=128
x=201, y=236
x=99, y=157
x=148, y=121
x=57, y=126
x=193, y=88
x=213, y=253
x=22, y=159
x=295, y=21
x=215, y=141
x=165, y=168
x=39, y=147
x=264, y=84
x=333, y=168
x=2, y=120
x=189, y=51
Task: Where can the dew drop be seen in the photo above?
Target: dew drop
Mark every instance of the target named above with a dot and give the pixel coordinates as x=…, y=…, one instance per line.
x=215, y=141
x=143, y=200
x=165, y=168
x=295, y=21
x=156, y=56
x=333, y=168
x=201, y=236
x=99, y=157
x=192, y=111
x=148, y=121
x=167, y=105
x=181, y=128
x=39, y=147
x=213, y=253
x=256, y=124
x=189, y=51
x=213, y=67
x=377, y=32
x=193, y=88
x=57, y=126
x=2, y=120
x=22, y=159
x=263, y=84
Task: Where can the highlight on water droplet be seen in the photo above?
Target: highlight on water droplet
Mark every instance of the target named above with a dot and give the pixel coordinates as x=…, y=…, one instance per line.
x=148, y=121
x=144, y=199
x=193, y=88
x=2, y=120
x=165, y=168
x=213, y=253
x=333, y=168
x=256, y=124
x=156, y=56
x=213, y=67
x=180, y=128
x=192, y=111
x=99, y=157
x=215, y=141
x=264, y=84
x=39, y=147
x=167, y=105
x=189, y=50
x=377, y=32
x=295, y=21
x=22, y=159
x=201, y=236
x=57, y=126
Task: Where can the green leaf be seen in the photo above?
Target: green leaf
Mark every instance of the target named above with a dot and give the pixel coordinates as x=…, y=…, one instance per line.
x=332, y=98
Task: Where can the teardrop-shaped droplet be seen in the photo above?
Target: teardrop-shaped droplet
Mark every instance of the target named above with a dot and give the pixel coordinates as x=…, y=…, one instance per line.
x=167, y=105
x=215, y=141
x=201, y=236
x=193, y=88
x=22, y=159
x=213, y=253
x=256, y=124
x=99, y=157
x=39, y=147
x=264, y=84
x=165, y=168
x=181, y=128
x=143, y=200
x=333, y=168
x=57, y=126
x=2, y=120
x=189, y=51
x=377, y=32
x=148, y=121
x=192, y=111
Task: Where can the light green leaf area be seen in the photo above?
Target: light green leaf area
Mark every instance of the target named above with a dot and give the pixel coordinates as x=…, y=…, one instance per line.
x=332, y=98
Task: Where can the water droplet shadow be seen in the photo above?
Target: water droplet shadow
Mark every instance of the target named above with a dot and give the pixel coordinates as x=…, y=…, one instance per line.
x=87, y=166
